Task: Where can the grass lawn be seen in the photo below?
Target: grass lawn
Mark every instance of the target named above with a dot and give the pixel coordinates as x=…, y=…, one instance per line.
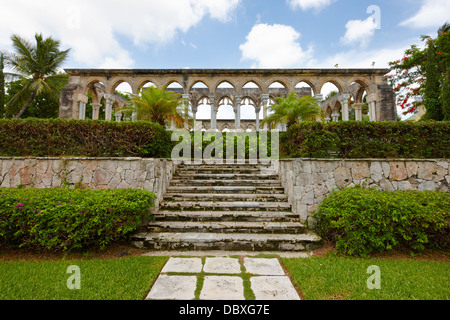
x=325, y=278
x=119, y=279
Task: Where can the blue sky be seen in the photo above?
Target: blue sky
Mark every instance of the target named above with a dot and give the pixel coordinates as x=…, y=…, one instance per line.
x=226, y=33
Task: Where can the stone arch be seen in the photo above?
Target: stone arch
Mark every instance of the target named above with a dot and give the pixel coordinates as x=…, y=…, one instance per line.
x=309, y=83
x=199, y=88
x=225, y=81
x=337, y=83
x=143, y=83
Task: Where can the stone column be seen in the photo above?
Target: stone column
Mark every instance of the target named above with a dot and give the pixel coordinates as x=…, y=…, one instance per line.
x=372, y=99
x=319, y=97
x=327, y=120
x=265, y=103
x=257, y=110
x=95, y=110
x=358, y=111
x=344, y=102
x=335, y=117
x=118, y=117
x=82, y=111
x=212, y=101
x=237, y=111
x=109, y=99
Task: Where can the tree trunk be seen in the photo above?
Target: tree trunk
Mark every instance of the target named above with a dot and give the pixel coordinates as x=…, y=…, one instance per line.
x=25, y=106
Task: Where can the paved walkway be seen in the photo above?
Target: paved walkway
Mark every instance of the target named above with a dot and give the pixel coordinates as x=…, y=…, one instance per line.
x=223, y=278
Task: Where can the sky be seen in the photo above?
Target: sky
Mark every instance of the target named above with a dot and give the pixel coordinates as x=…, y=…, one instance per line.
x=155, y=34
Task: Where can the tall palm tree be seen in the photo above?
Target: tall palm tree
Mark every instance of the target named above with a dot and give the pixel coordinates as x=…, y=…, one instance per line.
x=292, y=109
x=37, y=66
x=158, y=105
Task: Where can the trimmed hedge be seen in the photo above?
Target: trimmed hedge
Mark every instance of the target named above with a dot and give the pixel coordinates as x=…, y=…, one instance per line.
x=361, y=221
x=59, y=137
x=420, y=140
x=67, y=219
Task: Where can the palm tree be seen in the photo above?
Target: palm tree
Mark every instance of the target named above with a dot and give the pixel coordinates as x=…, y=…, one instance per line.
x=37, y=66
x=158, y=105
x=292, y=109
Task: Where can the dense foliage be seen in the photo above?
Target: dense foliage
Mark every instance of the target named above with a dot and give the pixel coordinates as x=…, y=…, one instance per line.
x=423, y=140
x=425, y=73
x=67, y=219
x=361, y=221
x=58, y=137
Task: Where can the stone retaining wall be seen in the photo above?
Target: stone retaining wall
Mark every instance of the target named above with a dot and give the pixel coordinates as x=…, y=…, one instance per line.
x=95, y=173
x=308, y=181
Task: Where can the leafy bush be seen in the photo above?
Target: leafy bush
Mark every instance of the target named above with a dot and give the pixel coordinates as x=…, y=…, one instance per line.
x=356, y=139
x=361, y=221
x=67, y=219
x=59, y=137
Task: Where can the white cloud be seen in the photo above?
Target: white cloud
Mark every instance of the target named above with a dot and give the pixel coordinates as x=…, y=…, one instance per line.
x=310, y=4
x=359, y=31
x=432, y=14
x=92, y=28
x=274, y=46
x=364, y=58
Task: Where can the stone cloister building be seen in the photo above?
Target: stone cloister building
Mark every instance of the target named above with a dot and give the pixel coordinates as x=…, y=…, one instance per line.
x=249, y=86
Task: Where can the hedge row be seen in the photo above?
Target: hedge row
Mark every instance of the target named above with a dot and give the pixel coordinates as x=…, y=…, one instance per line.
x=58, y=137
x=67, y=219
x=361, y=221
x=423, y=140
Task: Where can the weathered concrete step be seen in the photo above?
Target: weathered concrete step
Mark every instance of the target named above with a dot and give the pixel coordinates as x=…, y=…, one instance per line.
x=222, y=169
x=245, y=165
x=273, y=216
x=227, y=226
x=217, y=182
x=221, y=205
x=224, y=176
x=225, y=197
x=226, y=241
x=226, y=190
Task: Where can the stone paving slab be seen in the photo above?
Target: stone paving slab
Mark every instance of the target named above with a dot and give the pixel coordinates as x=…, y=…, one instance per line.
x=186, y=265
x=267, y=279
x=269, y=267
x=173, y=288
x=273, y=288
x=222, y=265
x=222, y=288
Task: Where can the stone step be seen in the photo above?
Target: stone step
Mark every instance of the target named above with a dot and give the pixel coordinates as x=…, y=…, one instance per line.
x=245, y=165
x=226, y=226
x=226, y=190
x=307, y=240
x=225, y=197
x=211, y=182
x=221, y=169
x=223, y=205
x=275, y=216
x=224, y=176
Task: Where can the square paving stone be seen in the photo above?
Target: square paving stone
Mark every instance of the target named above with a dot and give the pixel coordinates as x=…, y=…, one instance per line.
x=273, y=288
x=188, y=265
x=268, y=267
x=222, y=265
x=222, y=288
x=173, y=288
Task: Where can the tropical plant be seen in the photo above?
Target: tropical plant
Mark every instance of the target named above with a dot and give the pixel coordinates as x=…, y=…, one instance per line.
x=36, y=66
x=2, y=87
x=425, y=73
x=158, y=105
x=293, y=109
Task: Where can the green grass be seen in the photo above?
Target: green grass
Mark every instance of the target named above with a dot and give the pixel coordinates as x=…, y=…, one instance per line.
x=346, y=278
x=118, y=279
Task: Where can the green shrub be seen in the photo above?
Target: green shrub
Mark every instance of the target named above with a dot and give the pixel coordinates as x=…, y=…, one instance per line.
x=67, y=219
x=361, y=221
x=356, y=139
x=59, y=137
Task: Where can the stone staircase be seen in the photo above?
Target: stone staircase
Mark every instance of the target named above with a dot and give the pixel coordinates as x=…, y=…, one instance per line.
x=226, y=207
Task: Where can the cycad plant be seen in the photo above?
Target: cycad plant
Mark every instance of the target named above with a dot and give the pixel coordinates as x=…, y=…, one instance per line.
x=158, y=105
x=293, y=109
x=37, y=66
